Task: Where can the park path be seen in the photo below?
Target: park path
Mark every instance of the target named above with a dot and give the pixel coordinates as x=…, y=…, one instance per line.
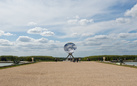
x=68, y=74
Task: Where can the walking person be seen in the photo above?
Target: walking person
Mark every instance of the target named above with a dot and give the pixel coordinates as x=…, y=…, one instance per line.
x=77, y=59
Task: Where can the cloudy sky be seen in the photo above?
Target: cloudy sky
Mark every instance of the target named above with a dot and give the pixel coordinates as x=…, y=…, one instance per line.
x=43, y=27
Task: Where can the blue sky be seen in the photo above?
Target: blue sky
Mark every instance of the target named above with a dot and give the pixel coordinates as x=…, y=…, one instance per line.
x=43, y=27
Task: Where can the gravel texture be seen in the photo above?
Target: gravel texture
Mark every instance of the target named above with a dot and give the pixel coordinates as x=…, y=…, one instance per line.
x=68, y=74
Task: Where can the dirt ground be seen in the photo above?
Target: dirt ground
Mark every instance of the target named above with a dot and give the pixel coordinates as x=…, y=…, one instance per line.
x=68, y=74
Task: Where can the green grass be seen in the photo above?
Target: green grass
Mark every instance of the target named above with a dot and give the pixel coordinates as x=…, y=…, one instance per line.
x=119, y=65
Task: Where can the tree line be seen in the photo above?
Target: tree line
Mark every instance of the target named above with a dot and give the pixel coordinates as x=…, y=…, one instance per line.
x=110, y=57
x=50, y=58
x=27, y=58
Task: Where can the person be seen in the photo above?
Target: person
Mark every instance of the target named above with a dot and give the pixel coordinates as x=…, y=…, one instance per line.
x=56, y=59
x=74, y=60
x=121, y=61
x=71, y=59
x=77, y=59
x=88, y=59
x=117, y=59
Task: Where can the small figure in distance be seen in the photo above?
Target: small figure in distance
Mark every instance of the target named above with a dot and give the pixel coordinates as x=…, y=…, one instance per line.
x=121, y=61
x=56, y=59
x=88, y=59
x=77, y=59
x=117, y=59
x=71, y=59
x=74, y=60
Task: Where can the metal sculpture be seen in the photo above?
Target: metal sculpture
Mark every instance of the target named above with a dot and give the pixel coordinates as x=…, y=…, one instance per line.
x=69, y=48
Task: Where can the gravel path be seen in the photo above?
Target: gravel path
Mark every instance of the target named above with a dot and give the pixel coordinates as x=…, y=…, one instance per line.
x=68, y=74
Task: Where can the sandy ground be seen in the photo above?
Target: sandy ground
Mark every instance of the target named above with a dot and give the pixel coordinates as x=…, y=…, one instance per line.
x=68, y=74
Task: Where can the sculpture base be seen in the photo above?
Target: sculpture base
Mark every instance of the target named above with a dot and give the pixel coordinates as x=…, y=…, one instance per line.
x=70, y=56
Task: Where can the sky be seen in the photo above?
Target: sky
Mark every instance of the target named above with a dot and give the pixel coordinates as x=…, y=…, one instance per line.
x=43, y=27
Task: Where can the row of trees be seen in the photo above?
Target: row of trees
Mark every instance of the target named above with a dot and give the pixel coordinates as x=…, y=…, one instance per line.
x=27, y=58
x=110, y=57
x=50, y=58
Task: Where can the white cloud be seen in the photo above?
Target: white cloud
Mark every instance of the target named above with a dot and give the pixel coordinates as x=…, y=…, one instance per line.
x=28, y=40
x=78, y=21
x=119, y=44
x=85, y=21
x=4, y=42
x=87, y=34
x=93, y=28
x=127, y=35
x=111, y=40
x=70, y=35
x=41, y=31
x=1, y=32
x=43, y=40
x=14, y=13
x=5, y=34
x=36, y=30
x=51, y=41
x=25, y=39
x=113, y=37
x=135, y=41
x=47, y=33
x=77, y=17
x=76, y=35
x=8, y=34
x=122, y=20
x=101, y=37
x=37, y=45
x=92, y=43
x=132, y=12
x=123, y=35
x=32, y=24
x=98, y=37
x=118, y=25
x=73, y=21
x=99, y=40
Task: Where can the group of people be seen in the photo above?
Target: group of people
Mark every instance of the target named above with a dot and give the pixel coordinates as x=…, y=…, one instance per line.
x=75, y=59
x=71, y=59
